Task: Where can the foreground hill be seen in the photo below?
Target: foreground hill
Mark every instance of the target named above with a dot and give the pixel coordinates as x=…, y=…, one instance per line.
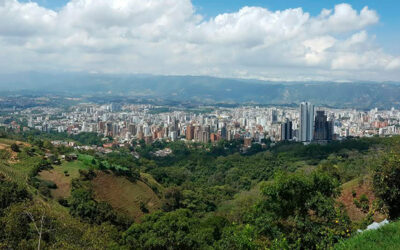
x=204, y=197
x=386, y=237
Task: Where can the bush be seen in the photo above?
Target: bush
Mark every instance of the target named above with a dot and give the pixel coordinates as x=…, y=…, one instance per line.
x=11, y=192
x=15, y=147
x=364, y=201
x=87, y=175
x=143, y=207
x=5, y=154
x=44, y=190
x=49, y=184
x=42, y=165
x=302, y=208
x=386, y=181
x=63, y=202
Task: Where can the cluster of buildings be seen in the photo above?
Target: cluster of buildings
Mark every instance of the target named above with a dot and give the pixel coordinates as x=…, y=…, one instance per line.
x=313, y=126
x=125, y=123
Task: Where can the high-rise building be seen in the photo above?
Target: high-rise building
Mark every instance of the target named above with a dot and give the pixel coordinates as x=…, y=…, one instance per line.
x=306, y=122
x=223, y=132
x=286, y=131
x=173, y=135
x=274, y=116
x=323, y=129
x=132, y=129
x=189, y=132
x=115, y=129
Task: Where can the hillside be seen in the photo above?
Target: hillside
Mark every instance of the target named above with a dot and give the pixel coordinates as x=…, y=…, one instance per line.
x=125, y=196
x=204, y=197
x=122, y=194
x=386, y=237
x=354, y=190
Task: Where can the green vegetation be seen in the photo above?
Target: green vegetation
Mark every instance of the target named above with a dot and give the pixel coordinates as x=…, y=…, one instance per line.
x=201, y=196
x=299, y=211
x=386, y=237
x=387, y=182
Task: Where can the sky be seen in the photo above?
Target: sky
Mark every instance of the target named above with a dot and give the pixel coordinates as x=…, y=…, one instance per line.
x=276, y=40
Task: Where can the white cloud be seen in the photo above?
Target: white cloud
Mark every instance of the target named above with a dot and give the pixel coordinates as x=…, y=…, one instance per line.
x=169, y=37
x=343, y=19
x=24, y=19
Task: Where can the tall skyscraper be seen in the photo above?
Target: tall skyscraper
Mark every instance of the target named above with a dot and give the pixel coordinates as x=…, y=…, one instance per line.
x=223, y=132
x=306, y=122
x=286, y=131
x=189, y=132
x=323, y=129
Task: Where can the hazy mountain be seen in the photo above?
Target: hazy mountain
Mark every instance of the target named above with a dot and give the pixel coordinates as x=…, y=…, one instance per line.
x=208, y=89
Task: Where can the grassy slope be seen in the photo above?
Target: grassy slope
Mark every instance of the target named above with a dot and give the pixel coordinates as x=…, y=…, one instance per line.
x=123, y=195
x=62, y=181
x=362, y=185
x=386, y=237
x=18, y=169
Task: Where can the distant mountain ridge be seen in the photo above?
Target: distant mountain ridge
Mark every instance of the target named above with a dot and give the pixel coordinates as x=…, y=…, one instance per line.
x=204, y=89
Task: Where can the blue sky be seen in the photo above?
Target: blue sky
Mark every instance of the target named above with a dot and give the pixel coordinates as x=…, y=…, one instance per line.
x=386, y=31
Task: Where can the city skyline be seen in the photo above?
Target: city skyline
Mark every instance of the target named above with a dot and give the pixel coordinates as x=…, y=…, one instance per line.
x=126, y=123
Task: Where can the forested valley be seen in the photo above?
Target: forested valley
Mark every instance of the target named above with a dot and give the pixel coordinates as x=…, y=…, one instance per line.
x=200, y=196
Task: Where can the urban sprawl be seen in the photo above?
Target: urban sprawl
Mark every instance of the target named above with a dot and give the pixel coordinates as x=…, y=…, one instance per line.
x=252, y=124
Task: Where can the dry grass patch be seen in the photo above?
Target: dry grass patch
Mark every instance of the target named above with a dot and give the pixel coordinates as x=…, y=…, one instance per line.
x=359, y=187
x=63, y=183
x=123, y=195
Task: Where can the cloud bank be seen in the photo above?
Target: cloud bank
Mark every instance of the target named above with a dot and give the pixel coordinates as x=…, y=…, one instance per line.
x=168, y=37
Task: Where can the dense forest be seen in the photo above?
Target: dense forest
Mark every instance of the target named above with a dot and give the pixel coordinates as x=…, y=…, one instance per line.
x=201, y=196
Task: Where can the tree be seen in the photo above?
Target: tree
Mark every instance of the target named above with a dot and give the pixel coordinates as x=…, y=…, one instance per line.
x=174, y=230
x=301, y=208
x=386, y=181
x=27, y=226
x=15, y=147
x=84, y=206
x=172, y=199
x=38, y=226
x=239, y=237
x=11, y=192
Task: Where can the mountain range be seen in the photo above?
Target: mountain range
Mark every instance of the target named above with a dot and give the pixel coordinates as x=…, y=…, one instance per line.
x=207, y=90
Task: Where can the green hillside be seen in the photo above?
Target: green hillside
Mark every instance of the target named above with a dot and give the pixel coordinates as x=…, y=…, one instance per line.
x=201, y=196
x=386, y=237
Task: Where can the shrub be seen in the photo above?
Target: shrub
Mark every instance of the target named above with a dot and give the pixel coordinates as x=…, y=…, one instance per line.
x=11, y=192
x=5, y=154
x=63, y=202
x=44, y=190
x=386, y=181
x=143, y=207
x=87, y=175
x=15, y=147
